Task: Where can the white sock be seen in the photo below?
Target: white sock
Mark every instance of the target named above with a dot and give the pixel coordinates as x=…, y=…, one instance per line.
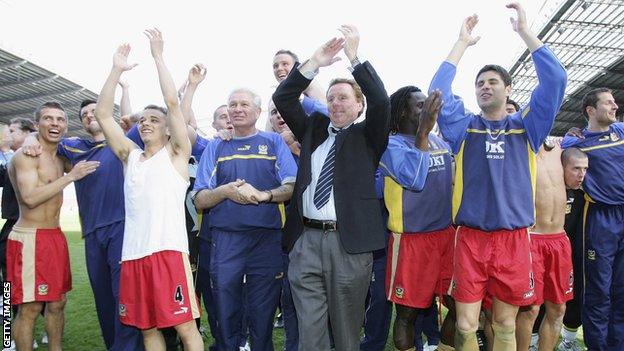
x=567, y=334
x=534, y=338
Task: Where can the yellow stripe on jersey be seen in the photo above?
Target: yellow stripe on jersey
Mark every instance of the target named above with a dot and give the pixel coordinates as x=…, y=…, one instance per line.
x=588, y=199
x=526, y=111
x=439, y=152
x=496, y=132
x=246, y=157
x=617, y=143
x=532, y=159
x=584, y=254
x=458, y=187
x=282, y=211
x=393, y=196
x=78, y=151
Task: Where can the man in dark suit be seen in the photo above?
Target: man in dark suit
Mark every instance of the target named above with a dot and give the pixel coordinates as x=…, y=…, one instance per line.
x=334, y=221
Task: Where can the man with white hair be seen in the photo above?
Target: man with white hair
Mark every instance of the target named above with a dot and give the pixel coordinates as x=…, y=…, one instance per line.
x=244, y=182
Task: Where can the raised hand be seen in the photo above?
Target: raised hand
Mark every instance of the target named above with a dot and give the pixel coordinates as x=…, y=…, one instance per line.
x=429, y=112
x=518, y=24
x=465, y=34
x=326, y=54
x=352, y=40
x=197, y=74
x=82, y=169
x=156, y=41
x=120, y=58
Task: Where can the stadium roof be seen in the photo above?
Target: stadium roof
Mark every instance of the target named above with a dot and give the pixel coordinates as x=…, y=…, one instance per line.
x=24, y=86
x=588, y=38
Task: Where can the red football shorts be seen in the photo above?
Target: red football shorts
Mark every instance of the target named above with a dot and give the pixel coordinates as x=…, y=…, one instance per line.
x=157, y=291
x=497, y=262
x=552, y=266
x=418, y=267
x=37, y=265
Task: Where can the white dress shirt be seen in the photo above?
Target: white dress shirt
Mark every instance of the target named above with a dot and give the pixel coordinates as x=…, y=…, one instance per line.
x=328, y=211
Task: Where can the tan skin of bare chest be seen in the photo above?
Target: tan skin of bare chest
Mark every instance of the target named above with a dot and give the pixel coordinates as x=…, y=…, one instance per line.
x=48, y=168
x=550, y=198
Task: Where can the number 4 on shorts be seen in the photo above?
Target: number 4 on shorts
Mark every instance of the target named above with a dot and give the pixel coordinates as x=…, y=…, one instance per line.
x=178, y=296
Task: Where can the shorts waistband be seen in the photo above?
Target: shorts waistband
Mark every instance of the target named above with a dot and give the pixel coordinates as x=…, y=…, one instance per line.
x=548, y=236
x=26, y=231
x=439, y=231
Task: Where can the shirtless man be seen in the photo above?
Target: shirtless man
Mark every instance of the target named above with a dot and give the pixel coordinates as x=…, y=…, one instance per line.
x=550, y=247
x=36, y=237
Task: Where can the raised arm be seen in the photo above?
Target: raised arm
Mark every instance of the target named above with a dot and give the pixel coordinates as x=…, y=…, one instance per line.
x=376, y=124
x=286, y=97
x=465, y=40
x=453, y=119
x=25, y=179
x=125, y=105
x=546, y=99
x=177, y=127
x=195, y=77
x=118, y=142
x=520, y=25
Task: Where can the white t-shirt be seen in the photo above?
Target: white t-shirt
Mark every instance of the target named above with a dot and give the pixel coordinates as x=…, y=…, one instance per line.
x=154, y=193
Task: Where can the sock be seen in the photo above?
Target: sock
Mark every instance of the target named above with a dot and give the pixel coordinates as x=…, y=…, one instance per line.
x=465, y=341
x=444, y=347
x=504, y=337
x=568, y=334
x=534, y=339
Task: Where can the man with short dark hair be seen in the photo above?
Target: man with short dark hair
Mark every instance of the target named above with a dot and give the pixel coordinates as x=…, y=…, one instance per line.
x=313, y=98
x=551, y=251
x=156, y=286
x=334, y=220
x=494, y=183
x=36, y=239
x=603, y=298
x=101, y=210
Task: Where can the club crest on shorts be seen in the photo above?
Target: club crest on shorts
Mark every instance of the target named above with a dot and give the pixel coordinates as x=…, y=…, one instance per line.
x=398, y=292
x=42, y=289
x=122, y=310
x=178, y=296
x=263, y=149
x=591, y=255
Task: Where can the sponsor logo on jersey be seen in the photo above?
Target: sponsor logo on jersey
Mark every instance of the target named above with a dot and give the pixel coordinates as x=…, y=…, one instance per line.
x=244, y=148
x=495, y=150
